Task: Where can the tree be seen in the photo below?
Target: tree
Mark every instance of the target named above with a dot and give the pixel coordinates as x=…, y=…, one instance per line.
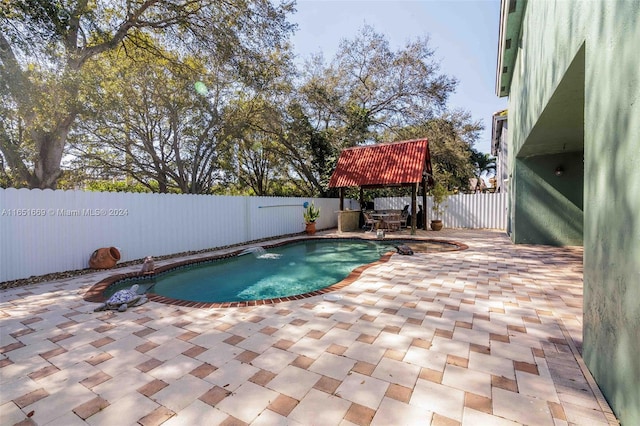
x=147, y=121
x=381, y=88
x=282, y=134
x=369, y=88
x=258, y=164
x=484, y=167
x=366, y=92
x=484, y=164
x=14, y=135
x=46, y=44
x=309, y=150
x=451, y=137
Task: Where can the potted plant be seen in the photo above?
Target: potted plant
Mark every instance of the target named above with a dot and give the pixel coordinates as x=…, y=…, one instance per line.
x=439, y=193
x=311, y=214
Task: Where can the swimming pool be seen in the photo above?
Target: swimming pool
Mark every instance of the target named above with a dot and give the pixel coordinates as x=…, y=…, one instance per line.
x=281, y=273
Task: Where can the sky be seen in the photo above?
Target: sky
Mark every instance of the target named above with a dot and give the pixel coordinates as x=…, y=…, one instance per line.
x=463, y=33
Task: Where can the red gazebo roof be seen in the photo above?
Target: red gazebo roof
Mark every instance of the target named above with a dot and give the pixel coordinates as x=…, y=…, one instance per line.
x=387, y=164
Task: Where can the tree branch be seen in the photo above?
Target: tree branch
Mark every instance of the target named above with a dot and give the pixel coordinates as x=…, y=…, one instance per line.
x=11, y=73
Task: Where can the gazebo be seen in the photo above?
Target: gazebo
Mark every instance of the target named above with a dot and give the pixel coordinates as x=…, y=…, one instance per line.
x=404, y=163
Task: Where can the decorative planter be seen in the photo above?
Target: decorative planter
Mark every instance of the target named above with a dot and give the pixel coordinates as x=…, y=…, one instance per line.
x=104, y=258
x=311, y=228
x=436, y=225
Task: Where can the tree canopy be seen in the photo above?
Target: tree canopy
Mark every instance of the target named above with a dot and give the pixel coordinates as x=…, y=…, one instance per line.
x=204, y=97
x=46, y=44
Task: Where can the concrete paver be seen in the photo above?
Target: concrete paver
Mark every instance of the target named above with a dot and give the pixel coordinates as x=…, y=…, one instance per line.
x=488, y=335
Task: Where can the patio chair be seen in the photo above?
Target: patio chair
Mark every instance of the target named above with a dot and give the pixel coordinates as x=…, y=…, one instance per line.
x=369, y=220
x=394, y=222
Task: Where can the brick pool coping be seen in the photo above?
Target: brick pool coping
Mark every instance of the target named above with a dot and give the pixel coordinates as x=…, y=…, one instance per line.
x=96, y=292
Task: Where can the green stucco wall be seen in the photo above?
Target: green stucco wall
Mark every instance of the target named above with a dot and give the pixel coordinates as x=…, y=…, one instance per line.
x=596, y=41
x=548, y=208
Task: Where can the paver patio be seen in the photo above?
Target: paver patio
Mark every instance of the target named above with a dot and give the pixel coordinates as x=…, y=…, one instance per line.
x=486, y=336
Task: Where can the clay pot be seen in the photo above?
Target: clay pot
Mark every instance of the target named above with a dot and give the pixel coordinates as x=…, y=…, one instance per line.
x=436, y=225
x=104, y=258
x=311, y=228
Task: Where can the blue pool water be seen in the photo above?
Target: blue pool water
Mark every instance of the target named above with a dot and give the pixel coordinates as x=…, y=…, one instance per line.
x=288, y=270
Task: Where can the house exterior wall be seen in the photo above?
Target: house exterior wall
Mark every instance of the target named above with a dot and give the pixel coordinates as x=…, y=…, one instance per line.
x=598, y=41
x=548, y=208
x=499, y=148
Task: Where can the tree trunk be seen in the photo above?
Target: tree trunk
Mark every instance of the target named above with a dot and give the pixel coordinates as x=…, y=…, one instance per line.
x=47, y=166
x=49, y=148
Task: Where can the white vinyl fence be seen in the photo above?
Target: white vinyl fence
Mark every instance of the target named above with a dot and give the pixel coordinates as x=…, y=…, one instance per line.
x=45, y=231
x=462, y=210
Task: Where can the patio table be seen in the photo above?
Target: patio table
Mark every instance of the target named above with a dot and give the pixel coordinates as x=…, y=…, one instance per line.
x=381, y=217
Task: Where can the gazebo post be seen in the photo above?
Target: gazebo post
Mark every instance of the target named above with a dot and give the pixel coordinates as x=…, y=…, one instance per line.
x=424, y=203
x=414, y=217
x=361, y=216
x=341, y=198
